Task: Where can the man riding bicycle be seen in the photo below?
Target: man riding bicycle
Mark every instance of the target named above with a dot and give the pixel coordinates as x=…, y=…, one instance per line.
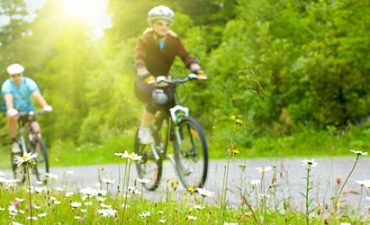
x=155, y=53
x=17, y=92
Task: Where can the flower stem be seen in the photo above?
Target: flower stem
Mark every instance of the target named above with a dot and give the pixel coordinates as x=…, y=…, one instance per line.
x=29, y=189
x=345, y=182
x=306, y=196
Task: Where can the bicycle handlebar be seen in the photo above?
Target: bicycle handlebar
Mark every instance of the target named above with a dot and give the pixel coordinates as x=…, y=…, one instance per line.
x=31, y=113
x=161, y=81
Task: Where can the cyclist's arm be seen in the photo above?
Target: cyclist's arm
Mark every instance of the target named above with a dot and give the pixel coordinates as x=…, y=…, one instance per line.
x=36, y=95
x=139, y=58
x=184, y=55
x=7, y=95
x=8, y=98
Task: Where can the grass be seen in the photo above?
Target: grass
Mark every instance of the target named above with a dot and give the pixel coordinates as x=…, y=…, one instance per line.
x=106, y=205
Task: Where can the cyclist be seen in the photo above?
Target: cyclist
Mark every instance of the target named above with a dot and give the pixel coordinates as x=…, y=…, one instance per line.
x=155, y=54
x=16, y=94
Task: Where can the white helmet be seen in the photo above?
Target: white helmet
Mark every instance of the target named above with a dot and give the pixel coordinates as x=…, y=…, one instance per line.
x=15, y=69
x=160, y=12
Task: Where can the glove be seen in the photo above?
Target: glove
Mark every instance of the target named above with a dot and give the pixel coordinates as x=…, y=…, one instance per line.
x=48, y=108
x=142, y=72
x=12, y=112
x=194, y=67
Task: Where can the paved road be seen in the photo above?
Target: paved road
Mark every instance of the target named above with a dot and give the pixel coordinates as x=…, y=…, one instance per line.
x=290, y=178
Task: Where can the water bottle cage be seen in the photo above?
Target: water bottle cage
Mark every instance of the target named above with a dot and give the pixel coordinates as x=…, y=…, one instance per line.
x=178, y=112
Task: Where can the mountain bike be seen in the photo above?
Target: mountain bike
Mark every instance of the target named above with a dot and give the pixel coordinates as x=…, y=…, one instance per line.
x=30, y=142
x=188, y=140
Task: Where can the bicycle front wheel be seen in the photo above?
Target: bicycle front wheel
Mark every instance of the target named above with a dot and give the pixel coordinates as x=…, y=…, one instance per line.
x=148, y=168
x=191, y=153
x=19, y=172
x=42, y=160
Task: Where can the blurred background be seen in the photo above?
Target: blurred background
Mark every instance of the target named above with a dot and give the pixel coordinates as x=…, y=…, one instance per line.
x=295, y=73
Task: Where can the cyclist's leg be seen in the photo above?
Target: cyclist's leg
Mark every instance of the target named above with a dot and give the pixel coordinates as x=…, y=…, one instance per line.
x=35, y=127
x=143, y=92
x=12, y=126
x=12, y=130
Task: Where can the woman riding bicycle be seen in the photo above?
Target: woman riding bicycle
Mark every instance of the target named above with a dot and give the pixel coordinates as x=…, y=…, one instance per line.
x=155, y=53
x=17, y=92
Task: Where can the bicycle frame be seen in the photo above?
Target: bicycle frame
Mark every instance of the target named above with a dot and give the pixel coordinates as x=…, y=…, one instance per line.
x=177, y=113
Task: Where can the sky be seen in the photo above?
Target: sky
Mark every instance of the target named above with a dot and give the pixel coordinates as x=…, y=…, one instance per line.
x=92, y=11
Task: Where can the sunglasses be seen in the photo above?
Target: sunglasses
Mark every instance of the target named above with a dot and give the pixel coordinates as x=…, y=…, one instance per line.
x=162, y=24
x=15, y=75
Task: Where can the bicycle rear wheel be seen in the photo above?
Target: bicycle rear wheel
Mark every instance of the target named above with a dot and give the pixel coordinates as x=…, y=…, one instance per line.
x=19, y=172
x=148, y=167
x=191, y=153
x=42, y=160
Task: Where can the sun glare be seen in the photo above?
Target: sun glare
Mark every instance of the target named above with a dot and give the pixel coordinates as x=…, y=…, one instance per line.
x=92, y=11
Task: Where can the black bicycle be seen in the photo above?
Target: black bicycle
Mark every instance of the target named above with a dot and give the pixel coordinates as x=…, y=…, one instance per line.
x=30, y=142
x=188, y=140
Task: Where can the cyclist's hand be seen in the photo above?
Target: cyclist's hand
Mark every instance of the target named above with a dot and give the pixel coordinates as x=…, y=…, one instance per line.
x=149, y=80
x=12, y=112
x=194, y=67
x=143, y=72
x=48, y=108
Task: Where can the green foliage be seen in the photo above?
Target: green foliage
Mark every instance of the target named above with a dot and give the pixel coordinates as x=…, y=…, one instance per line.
x=277, y=65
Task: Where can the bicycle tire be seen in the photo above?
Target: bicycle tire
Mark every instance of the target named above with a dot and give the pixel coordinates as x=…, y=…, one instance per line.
x=42, y=160
x=191, y=154
x=148, y=167
x=19, y=172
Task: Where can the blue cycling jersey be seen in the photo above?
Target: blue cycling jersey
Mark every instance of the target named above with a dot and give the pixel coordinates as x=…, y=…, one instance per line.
x=21, y=94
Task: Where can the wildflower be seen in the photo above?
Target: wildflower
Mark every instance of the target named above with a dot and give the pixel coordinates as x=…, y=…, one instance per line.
x=89, y=192
x=81, y=219
x=174, y=184
x=190, y=217
x=365, y=183
x=144, y=214
x=160, y=212
x=100, y=199
x=190, y=190
x=42, y=214
x=25, y=158
x=2, y=209
x=32, y=218
x=264, y=169
x=75, y=204
x=142, y=181
x=124, y=155
x=69, y=194
x=102, y=192
x=12, y=210
x=105, y=206
x=52, y=176
x=162, y=221
x=359, y=152
x=108, y=181
x=309, y=162
x=16, y=223
x=107, y=212
x=133, y=190
x=205, y=193
x=345, y=223
x=226, y=223
x=135, y=157
x=232, y=151
x=198, y=207
x=255, y=182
